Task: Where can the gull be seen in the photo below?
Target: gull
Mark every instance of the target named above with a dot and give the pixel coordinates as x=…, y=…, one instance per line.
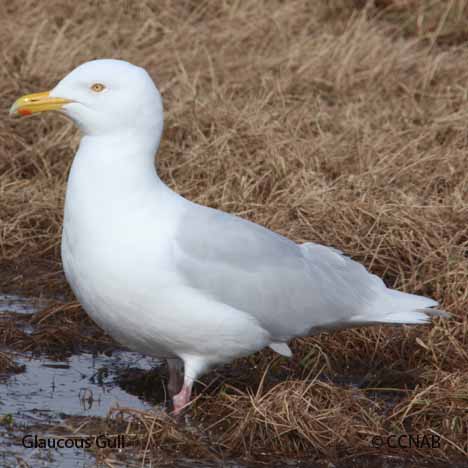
x=176, y=280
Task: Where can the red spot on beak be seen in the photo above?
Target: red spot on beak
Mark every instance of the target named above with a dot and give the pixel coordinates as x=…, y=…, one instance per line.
x=25, y=112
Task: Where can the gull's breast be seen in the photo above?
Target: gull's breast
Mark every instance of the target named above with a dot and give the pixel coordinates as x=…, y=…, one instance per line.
x=116, y=270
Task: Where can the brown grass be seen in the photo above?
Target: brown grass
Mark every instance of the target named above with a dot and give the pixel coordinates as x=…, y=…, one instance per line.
x=58, y=329
x=8, y=365
x=339, y=122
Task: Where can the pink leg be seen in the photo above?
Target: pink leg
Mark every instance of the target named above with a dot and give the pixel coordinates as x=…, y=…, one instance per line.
x=176, y=377
x=182, y=399
x=193, y=366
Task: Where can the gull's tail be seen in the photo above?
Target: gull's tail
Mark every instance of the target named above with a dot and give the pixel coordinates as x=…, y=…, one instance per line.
x=397, y=307
x=346, y=295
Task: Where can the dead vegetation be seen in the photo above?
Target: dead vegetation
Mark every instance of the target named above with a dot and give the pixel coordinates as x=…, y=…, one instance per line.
x=338, y=122
x=58, y=329
x=8, y=365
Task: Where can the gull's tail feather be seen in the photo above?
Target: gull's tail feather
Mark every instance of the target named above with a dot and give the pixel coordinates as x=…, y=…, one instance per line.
x=396, y=307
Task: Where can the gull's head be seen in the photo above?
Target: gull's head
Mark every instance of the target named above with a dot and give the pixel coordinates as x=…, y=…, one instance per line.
x=102, y=97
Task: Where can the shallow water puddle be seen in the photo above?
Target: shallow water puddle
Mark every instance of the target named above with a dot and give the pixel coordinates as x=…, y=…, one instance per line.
x=48, y=390
x=80, y=385
x=20, y=304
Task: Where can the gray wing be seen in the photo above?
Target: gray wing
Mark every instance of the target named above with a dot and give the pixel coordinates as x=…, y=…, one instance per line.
x=290, y=289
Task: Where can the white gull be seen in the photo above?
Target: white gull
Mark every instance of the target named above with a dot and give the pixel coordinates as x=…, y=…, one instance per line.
x=173, y=279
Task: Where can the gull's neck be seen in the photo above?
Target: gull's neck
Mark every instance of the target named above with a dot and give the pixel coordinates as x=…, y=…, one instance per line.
x=128, y=156
x=117, y=162
x=113, y=174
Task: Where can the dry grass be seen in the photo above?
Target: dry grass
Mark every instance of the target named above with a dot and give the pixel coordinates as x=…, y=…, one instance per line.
x=8, y=365
x=337, y=122
x=58, y=329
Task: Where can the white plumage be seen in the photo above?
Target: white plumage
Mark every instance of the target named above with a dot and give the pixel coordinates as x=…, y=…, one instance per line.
x=170, y=278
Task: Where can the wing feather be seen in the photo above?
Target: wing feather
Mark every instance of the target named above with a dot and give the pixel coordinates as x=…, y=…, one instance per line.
x=289, y=288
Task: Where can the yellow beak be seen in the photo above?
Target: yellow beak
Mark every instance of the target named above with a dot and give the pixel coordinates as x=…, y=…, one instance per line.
x=37, y=102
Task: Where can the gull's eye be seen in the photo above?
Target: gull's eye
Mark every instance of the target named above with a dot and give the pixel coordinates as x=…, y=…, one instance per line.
x=97, y=87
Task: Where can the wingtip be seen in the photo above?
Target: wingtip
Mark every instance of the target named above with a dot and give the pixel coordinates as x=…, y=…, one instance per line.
x=435, y=313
